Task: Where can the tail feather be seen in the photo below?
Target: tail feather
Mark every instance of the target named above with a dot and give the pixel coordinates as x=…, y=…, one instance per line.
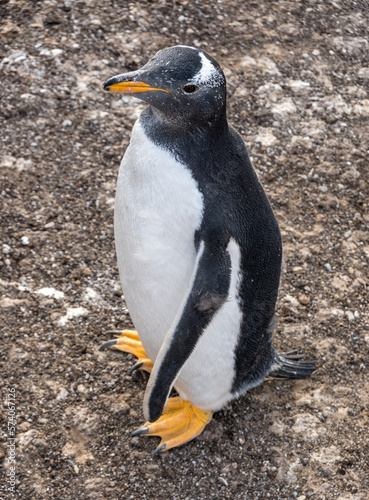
x=290, y=366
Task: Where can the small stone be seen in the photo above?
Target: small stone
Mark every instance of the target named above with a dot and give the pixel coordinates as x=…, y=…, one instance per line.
x=328, y=267
x=6, y=249
x=8, y=303
x=292, y=300
x=286, y=311
x=278, y=428
x=90, y=295
x=363, y=73
x=340, y=284
x=304, y=300
x=24, y=426
x=56, y=52
x=298, y=84
x=63, y=394
x=51, y=292
x=86, y=271
x=67, y=123
x=350, y=315
x=73, y=312
x=265, y=137
x=25, y=240
x=223, y=481
x=284, y=108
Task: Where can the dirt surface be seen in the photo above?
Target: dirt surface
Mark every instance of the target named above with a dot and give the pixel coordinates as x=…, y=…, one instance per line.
x=298, y=74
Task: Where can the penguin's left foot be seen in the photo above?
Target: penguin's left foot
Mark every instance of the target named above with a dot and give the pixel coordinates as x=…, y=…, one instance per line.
x=129, y=341
x=181, y=421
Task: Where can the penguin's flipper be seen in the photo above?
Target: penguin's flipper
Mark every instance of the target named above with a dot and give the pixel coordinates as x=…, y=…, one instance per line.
x=181, y=422
x=208, y=291
x=290, y=366
x=129, y=341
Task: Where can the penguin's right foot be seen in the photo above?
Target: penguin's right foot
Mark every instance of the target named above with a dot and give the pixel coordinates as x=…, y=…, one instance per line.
x=181, y=421
x=129, y=341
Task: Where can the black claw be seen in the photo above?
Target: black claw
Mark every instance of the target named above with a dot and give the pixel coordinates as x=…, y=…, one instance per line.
x=139, y=432
x=135, y=367
x=158, y=450
x=108, y=344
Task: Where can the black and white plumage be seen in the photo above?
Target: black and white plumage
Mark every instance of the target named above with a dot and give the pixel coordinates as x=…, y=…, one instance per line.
x=198, y=246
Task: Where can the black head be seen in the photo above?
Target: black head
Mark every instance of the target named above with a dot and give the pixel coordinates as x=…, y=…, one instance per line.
x=182, y=84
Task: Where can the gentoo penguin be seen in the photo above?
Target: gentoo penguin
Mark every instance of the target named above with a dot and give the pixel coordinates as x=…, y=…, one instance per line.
x=198, y=246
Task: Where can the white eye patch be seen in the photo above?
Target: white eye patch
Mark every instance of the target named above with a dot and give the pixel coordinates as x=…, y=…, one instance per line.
x=208, y=74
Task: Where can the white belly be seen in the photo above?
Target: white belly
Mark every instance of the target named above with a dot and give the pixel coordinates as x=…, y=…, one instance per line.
x=158, y=209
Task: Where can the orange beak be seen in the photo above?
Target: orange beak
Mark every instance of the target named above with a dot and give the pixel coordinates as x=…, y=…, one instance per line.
x=129, y=87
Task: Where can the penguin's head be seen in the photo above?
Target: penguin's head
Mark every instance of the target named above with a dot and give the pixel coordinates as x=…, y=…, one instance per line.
x=183, y=84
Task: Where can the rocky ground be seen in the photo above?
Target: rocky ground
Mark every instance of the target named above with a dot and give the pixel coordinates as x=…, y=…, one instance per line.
x=298, y=74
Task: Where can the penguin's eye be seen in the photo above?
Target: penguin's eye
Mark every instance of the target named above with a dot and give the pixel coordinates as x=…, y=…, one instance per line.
x=190, y=89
